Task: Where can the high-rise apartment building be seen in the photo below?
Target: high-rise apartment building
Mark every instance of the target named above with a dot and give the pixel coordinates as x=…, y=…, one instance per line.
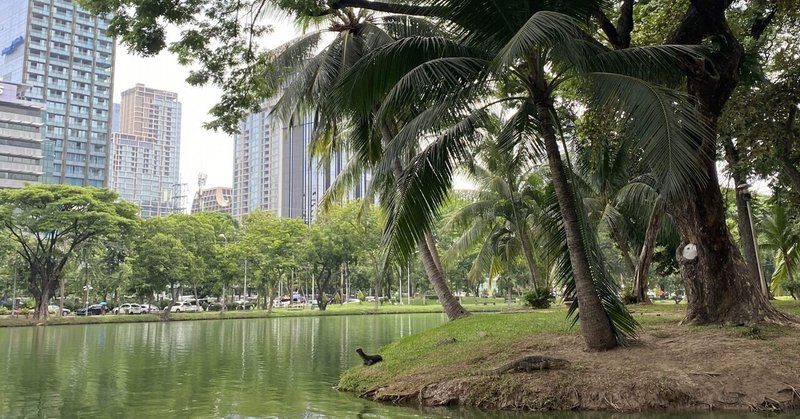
x=274, y=171
x=65, y=56
x=144, y=167
x=20, y=138
x=217, y=199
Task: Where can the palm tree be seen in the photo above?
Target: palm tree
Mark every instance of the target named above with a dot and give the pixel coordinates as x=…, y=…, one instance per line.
x=624, y=206
x=530, y=53
x=307, y=73
x=499, y=217
x=781, y=237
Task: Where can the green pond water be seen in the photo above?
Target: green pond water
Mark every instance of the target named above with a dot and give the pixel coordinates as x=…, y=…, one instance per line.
x=283, y=367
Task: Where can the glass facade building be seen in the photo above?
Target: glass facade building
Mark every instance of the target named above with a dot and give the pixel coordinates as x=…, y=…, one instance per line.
x=274, y=171
x=145, y=154
x=66, y=57
x=20, y=138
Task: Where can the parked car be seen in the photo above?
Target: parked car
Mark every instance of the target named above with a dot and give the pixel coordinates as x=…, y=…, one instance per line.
x=149, y=308
x=186, y=307
x=92, y=310
x=128, y=308
x=53, y=309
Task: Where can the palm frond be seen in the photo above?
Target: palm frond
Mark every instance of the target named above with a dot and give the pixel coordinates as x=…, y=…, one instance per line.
x=425, y=183
x=383, y=68
x=667, y=127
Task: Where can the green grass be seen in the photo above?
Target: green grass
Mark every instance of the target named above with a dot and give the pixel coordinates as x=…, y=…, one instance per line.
x=474, y=336
x=482, y=334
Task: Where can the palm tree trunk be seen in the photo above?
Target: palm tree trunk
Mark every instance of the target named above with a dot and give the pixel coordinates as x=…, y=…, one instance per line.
x=452, y=307
x=430, y=257
x=640, y=276
x=431, y=243
x=527, y=250
x=595, y=324
x=624, y=249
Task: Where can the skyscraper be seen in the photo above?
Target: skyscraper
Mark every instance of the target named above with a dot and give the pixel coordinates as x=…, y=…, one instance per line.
x=274, y=171
x=66, y=57
x=20, y=138
x=145, y=167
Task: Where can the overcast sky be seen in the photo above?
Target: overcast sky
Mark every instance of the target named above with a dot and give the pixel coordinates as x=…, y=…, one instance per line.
x=203, y=151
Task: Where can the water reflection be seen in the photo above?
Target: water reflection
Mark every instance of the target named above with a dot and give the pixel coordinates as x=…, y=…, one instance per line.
x=234, y=368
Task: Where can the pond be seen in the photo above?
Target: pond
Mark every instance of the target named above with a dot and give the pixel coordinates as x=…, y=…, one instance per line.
x=280, y=367
x=285, y=367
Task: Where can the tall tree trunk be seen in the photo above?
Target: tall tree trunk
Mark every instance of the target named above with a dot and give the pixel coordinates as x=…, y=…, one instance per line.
x=595, y=324
x=642, y=271
x=742, y=211
x=720, y=288
x=785, y=151
x=452, y=307
x=527, y=250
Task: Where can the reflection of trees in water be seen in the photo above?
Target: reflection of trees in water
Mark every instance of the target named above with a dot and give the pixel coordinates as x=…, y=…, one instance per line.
x=253, y=367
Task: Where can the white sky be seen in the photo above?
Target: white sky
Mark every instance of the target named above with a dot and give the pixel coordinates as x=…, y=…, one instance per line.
x=201, y=150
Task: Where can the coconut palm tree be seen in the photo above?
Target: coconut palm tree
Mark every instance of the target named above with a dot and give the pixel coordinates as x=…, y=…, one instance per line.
x=781, y=236
x=306, y=71
x=499, y=218
x=527, y=51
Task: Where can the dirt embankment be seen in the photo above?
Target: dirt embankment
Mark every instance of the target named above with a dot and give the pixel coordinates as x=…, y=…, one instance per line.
x=682, y=369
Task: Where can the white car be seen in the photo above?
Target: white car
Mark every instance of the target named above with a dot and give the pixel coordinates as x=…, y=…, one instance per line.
x=53, y=309
x=149, y=308
x=186, y=307
x=128, y=308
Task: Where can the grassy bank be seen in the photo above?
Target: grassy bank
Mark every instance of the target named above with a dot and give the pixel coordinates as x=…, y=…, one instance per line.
x=483, y=305
x=671, y=367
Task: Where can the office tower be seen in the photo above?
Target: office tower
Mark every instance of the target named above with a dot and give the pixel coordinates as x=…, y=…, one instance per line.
x=66, y=57
x=274, y=171
x=217, y=199
x=255, y=160
x=20, y=138
x=144, y=167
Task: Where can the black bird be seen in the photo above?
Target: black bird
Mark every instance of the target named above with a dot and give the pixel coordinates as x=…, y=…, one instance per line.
x=369, y=359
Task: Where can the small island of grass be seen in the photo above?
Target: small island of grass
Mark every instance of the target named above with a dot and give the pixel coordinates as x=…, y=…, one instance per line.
x=670, y=367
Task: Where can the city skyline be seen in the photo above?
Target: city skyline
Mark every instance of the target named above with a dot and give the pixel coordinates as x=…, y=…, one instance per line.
x=65, y=58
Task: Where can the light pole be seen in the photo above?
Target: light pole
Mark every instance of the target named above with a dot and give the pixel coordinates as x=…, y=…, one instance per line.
x=400, y=285
x=14, y=291
x=744, y=189
x=225, y=239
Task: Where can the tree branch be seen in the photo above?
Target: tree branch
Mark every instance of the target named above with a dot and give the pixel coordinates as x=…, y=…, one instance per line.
x=609, y=29
x=625, y=23
x=378, y=6
x=761, y=24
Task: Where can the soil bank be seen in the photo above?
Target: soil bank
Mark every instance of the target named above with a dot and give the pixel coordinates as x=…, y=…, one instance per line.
x=672, y=367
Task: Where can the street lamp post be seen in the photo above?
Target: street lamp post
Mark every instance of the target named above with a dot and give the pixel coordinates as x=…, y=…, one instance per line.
x=14, y=292
x=225, y=239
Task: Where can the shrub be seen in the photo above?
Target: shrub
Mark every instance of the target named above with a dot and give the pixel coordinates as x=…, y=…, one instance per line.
x=538, y=298
x=3, y=311
x=360, y=295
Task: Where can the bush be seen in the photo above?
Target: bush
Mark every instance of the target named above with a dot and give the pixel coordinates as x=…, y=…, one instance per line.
x=538, y=298
x=3, y=311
